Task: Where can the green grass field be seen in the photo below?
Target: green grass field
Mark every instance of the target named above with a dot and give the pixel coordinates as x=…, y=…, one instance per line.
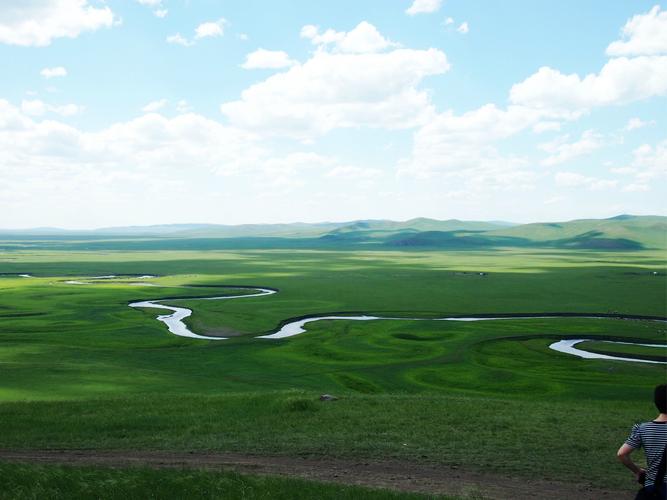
x=81, y=369
x=29, y=482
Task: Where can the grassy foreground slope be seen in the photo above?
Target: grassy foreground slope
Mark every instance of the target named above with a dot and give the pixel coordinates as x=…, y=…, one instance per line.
x=81, y=369
x=29, y=482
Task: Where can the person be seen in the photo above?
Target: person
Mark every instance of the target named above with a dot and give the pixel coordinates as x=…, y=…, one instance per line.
x=652, y=436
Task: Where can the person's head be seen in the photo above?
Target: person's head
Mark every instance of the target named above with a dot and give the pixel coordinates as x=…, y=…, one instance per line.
x=660, y=398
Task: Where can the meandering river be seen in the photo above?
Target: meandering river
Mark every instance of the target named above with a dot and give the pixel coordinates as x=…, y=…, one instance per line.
x=177, y=326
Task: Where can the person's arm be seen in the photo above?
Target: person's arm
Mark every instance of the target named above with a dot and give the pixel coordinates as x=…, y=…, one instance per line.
x=623, y=455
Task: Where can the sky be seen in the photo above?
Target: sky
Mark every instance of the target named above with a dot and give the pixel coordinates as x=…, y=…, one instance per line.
x=136, y=112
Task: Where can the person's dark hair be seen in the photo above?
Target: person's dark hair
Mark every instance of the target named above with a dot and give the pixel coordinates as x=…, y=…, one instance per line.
x=660, y=398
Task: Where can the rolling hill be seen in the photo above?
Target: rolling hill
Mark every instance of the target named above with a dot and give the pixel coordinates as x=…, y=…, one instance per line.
x=623, y=232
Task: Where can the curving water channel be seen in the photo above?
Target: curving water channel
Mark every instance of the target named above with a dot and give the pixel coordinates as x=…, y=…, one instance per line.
x=567, y=347
x=175, y=325
x=174, y=321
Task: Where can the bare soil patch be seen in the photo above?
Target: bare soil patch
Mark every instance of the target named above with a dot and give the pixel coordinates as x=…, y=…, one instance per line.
x=390, y=474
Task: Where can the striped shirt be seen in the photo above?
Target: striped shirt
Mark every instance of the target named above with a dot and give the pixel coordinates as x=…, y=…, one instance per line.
x=652, y=436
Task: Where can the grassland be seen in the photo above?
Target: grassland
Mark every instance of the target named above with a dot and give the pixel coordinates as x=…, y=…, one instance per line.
x=80, y=369
x=29, y=482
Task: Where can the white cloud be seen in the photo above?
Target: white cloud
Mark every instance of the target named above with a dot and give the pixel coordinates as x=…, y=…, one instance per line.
x=66, y=109
x=294, y=164
x=210, y=29
x=154, y=106
x=423, y=7
x=349, y=172
x=636, y=188
x=53, y=72
x=36, y=107
x=183, y=106
x=561, y=151
x=33, y=107
x=621, y=80
x=546, y=126
x=132, y=170
x=570, y=179
x=644, y=34
x=150, y=141
x=463, y=28
x=38, y=22
x=647, y=169
x=574, y=179
x=650, y=164
x=460, y=151
x=341, y=90
x=449, y=21
x=364, y=38
x=635, y=123
x=157, y=7
x=267, y=59
x=179, y=39
x=554, y=200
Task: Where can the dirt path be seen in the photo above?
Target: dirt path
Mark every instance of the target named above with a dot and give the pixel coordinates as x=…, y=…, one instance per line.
x=394, y=475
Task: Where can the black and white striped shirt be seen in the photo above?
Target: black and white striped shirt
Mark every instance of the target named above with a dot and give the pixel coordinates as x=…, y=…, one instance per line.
x=652, y=436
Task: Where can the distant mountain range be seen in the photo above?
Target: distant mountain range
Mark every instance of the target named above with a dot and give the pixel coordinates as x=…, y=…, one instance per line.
x=295, y=229
x=623, y=232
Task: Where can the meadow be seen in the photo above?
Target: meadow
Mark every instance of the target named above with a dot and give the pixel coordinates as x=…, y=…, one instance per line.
x=81, y=369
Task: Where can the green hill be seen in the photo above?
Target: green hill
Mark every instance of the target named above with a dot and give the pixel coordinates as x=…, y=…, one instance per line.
x=621, y=232
x=624, y=232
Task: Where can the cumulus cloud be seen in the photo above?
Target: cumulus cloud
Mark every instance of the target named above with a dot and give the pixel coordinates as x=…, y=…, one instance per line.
x=154, y=106
x=463, y=28
x=636, y=123
x=574, y=179
x=340, y=91
x=636, y=71
x=210, y=29
x=156, y=5
x=179, y=39
x=336, y=89
x=464, y=152
x=183, y=106
x=644, y=34
x=546, y=126
x=460, y=150
x=648, y=167
x=364, y=38
x=150, y=141
x=133, y=169
x=38, y=22
x=350, y=172
x=621, y=80
x=423, y=7
x=58, y=71
x=294, y=164
x=561, y=151
x=36, y=107
x=267, y=59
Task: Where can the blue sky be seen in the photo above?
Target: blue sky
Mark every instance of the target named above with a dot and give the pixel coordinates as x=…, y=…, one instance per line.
x=149, y=111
